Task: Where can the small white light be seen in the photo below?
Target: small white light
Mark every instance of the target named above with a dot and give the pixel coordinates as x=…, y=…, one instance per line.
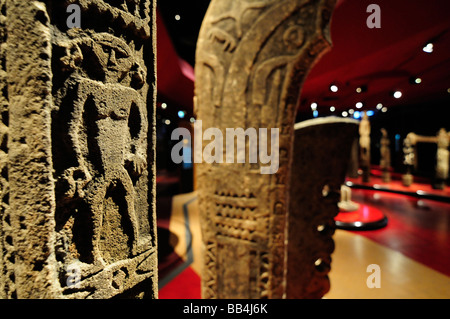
x=333, y=88
x=358, y=90
x=384, y=109
x=397, y=94
x=351, y=111
x=357, y=224
x=192, y=120
x=177, y=17
x=344, y=114
x=359, y=105
x=448, y=90
x=332, y=108
x=428, y=48
x=167, y=122
x=421, y=203
x=418, y=80
x=313, y=106
x=164, y=106
x=379, y=106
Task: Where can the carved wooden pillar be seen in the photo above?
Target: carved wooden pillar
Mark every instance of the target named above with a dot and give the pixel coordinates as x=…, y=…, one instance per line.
x=252, y=58
x=79, y=219
x=322, y=150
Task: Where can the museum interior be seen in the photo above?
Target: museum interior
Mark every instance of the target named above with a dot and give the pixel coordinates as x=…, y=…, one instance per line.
x=392, y=81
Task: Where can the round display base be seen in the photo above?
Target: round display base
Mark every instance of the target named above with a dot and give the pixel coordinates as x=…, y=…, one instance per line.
x=365, y=218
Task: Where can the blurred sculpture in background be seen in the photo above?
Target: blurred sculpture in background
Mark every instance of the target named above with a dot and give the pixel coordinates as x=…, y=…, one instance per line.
x=364, y=146
x=385, y=159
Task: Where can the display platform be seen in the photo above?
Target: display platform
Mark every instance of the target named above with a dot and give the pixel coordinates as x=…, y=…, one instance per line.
x=420, y=188
x=366, y=217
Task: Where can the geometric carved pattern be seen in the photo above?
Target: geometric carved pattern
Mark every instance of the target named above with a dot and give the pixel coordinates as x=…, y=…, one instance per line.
x=82, y=154
x=252, y=58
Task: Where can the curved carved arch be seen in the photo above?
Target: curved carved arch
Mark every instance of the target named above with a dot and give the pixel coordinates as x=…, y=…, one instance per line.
x=277, y=44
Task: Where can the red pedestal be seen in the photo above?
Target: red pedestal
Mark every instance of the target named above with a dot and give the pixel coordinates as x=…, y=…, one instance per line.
x=365, y=218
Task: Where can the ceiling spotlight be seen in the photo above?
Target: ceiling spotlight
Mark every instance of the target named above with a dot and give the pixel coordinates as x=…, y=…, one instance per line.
x=344, y=114
x=428, y=48
x=357, y=114
x=192, y=120
x=177, y=17
x=316, y=113
x=332, y=108
x=379, y=106
x=362, y=88
x=384, y=109
x=164, y=106
x=351, y=111
x=181, y=114
x=397, y=94
x=333, y=88
x=359, y=105
x=448, y=90
x=313, y=106
x=415, y=80
x=370, y=113
x=167, y=122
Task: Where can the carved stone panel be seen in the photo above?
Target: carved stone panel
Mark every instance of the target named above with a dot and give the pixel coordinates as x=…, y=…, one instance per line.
x=322, y=149
x=252, y=58
x=80, y=221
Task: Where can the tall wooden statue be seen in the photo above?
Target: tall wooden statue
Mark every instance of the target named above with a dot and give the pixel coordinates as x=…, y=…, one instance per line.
x=364, y=147
x=385, y=157
x=408, y=161
x=78, y=194
x=252, y=58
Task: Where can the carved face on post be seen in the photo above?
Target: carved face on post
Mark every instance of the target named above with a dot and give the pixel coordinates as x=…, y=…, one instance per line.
x=114, y=57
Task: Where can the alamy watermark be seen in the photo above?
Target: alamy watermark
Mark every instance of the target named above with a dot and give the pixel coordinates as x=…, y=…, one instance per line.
x=73, y=275
x=74, y=19
x=228, y=151
x=374, y=279
x=374, y=19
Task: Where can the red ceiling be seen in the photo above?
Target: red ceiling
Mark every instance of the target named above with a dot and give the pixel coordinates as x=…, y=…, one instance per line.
x=383, y=59
x=175, y=77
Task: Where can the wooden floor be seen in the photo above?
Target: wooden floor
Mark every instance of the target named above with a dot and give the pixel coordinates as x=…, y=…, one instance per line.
x=406, y=270
x=400, y=276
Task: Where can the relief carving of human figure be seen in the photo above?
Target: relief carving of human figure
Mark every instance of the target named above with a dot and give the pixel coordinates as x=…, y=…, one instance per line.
x=107, y=129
